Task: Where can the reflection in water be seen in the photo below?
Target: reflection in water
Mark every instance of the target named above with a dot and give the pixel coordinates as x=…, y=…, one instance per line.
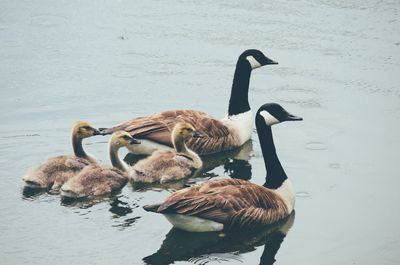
x=238, y=169
x=235, y=163
x=119, y=207
x=201, y=248
x=32, y=193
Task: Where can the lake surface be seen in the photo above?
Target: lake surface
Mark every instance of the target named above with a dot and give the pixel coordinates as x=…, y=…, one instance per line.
x=108, y=61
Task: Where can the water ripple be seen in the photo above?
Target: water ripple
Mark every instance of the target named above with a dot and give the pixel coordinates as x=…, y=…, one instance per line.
x=215, y=257
x=47, y=20
x=316, y=146
x=304, y=96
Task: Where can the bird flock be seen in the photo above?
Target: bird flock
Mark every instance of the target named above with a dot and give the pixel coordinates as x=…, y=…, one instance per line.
x=173, y=142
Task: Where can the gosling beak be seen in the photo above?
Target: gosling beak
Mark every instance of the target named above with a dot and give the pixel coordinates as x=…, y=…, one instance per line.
x=134, y=141
x=198, y=135
x=97, y=132
x=291, y=117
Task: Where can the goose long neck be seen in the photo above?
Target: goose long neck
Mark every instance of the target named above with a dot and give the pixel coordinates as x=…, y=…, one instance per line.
x=114, y=157
x=275, y=173
x=77, y=146
x=239, y=100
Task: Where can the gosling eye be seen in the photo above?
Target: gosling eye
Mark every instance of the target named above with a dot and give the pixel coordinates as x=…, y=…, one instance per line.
x=126, y=137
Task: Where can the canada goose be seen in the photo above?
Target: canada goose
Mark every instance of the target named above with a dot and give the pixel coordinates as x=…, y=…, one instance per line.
x=164, y=166
x=96, y=180
x=56, y=170
x=235, y=129
x=233, y=203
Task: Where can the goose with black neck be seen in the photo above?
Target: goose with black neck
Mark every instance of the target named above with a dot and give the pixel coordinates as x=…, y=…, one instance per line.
x=235, y=129
x=231, y=204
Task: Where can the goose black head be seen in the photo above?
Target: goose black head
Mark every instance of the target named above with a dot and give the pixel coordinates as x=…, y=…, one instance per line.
x=273, y=113
x=255, y=58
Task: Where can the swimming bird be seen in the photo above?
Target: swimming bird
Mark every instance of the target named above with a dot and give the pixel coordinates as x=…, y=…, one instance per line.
x=56, y=170
x=233, y=203
x=96, y=180
x=235, y=129
x=165, y=166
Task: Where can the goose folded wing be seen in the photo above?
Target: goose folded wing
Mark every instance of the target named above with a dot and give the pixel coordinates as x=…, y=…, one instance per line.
x=238, y=204
x=158, y=127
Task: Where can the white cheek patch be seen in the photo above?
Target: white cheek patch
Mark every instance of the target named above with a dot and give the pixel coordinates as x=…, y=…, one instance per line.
x=253, y=62
x=269, y=119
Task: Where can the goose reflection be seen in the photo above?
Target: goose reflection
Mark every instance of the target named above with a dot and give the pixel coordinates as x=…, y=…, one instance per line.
x=202, y=248
x=235, y=163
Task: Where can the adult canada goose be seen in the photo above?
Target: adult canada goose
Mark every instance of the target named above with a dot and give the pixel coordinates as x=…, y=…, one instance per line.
x=232, y=203
x=96, y=180
x=165, y=166
x=56, y=170
x=235, y=129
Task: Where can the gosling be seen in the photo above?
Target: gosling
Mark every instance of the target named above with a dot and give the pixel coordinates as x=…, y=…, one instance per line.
x=96, y=180
x=56, y=170
x=170, y=165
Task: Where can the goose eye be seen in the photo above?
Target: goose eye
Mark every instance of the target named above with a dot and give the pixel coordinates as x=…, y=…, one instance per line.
x=126, y=137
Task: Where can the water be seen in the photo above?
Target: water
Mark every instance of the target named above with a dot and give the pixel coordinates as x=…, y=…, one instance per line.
x=112, y=60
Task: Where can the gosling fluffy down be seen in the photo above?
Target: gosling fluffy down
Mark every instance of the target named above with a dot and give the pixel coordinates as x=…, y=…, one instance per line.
x=96, y=180
x=56, y=170
x=170, y=165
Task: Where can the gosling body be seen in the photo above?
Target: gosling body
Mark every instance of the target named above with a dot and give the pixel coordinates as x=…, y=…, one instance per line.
x=96, y=180
x=166, y=166
x=57, y=170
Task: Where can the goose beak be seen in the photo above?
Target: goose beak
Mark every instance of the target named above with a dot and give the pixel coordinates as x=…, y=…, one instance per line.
x=292, y=117
x=268, y=61
x=135, y=141
x=198, y=135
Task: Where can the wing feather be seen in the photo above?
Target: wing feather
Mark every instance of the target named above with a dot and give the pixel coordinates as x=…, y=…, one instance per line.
x=233, y=202
x=158, y=128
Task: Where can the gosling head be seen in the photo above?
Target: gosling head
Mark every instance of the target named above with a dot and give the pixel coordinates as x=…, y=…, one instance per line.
x=122, y=138
x=273, y=113
x=185, y=131
x=255, y=58
x=83, y=129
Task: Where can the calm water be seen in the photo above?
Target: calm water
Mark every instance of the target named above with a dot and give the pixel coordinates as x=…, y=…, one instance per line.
x=105, y=62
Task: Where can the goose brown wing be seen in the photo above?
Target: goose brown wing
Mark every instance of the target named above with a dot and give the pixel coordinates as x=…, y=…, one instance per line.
x=158, y=127
x=233, y=202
